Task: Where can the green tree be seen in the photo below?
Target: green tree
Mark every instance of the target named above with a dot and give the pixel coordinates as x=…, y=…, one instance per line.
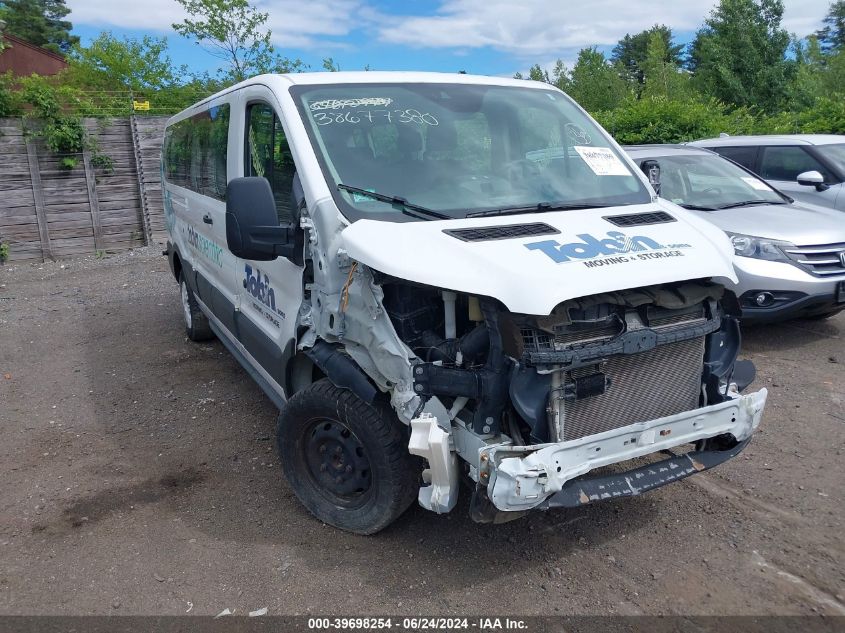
x=560, y=76
x=811, y=71
x=632, y=50
x=661, y=76
x=594, y=82
x=39, y=22
x=739, y=56
x=832, y=36
x=131, y=63
x=284, y=65
x=234, y=32
x=535, y=73
x=833, y=82
x=231, y=30
x=330, y=65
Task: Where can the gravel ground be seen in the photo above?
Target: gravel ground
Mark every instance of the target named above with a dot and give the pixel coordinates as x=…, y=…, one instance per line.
x=139, y=477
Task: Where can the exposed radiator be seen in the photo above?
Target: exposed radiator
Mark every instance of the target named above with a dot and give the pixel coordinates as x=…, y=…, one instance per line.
x=663, y=381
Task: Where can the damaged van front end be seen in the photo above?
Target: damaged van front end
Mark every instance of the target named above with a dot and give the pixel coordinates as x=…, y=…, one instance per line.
x=593, y=348
x=483, y=265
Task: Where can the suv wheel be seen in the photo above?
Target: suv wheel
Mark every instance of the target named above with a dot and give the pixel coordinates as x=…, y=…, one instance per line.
x=347, y=461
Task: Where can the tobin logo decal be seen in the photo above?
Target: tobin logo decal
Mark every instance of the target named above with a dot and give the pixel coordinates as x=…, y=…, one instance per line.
x=262, y=291
x=616, y=248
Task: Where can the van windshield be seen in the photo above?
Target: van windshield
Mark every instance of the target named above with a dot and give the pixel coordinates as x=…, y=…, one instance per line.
x=459, y=149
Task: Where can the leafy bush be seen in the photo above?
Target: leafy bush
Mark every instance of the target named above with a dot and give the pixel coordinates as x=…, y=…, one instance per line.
x=55, y=110
x=8, y=99
x=662, y=120
x=826, y=116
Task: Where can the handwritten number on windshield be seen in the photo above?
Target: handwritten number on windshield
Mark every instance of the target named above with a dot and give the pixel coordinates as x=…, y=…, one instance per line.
x=409, y=115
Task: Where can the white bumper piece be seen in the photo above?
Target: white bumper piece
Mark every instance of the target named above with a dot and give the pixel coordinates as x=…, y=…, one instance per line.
x=521, y=477
x=431, y=442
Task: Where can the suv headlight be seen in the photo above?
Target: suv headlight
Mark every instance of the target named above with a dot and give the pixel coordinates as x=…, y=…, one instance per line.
x=759, y=248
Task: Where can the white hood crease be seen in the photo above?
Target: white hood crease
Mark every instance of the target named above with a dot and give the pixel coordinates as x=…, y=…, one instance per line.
x=531, y=275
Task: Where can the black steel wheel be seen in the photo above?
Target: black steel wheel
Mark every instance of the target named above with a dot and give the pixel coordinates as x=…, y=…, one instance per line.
x=346, y=460
x=337, y=462
x=197, y=327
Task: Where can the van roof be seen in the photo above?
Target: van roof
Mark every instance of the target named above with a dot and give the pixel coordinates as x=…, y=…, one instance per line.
x=377, y=76
x=284, y=81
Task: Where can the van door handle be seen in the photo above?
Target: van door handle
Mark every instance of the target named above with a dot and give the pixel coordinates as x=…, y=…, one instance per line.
x=207, y=219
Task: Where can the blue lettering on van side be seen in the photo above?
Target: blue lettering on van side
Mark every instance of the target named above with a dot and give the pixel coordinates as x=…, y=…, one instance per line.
x=259, y=287
x=591, y=247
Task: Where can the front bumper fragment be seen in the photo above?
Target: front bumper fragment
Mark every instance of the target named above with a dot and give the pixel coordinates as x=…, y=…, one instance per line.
x=525, y=477
x=578, y=492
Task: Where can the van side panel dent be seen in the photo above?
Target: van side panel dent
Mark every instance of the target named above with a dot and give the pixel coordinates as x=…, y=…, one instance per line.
x=345, y=308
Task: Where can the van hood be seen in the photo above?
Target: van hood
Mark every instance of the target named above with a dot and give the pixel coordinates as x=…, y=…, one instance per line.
x=800, y=223
x=533, y=262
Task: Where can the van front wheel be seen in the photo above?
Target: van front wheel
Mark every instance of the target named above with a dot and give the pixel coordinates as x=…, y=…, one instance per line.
x=347, y=461
x=196, y=323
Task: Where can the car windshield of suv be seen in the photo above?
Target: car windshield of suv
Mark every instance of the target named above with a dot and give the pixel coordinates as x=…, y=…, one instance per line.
x=454, y=150
x=709, y=182
x=834, y=154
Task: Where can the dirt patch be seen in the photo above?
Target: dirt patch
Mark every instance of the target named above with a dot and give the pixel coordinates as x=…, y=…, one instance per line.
x=98, y=506
x=139, y=471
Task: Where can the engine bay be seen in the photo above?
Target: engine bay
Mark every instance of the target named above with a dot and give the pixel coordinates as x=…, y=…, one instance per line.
x=594, y=364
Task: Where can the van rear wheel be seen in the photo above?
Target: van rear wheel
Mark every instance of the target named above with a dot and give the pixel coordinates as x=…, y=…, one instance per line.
x=347, y=461
x=197, y=327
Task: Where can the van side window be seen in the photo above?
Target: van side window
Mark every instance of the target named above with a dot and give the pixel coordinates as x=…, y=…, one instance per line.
x=267, y=154
x=177, y=154
x=195, y=152
x=786, y=162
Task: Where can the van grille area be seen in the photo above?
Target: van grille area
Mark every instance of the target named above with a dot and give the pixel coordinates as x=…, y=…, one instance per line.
x=645, y=386
x=822, y=261
x=638, y=386
x=566, y=337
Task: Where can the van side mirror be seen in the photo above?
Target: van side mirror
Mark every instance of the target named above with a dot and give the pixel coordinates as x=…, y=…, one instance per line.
x=252, y=225
x=812, y=179
x=651, y=168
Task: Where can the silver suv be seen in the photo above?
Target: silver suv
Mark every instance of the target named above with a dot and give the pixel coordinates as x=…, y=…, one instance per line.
x=790, y=255
x=809, y=167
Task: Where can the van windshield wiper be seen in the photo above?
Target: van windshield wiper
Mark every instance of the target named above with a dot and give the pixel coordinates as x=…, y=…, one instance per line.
x=747, y=203
x=408, y=208
x=695, y=207
x=541, y=207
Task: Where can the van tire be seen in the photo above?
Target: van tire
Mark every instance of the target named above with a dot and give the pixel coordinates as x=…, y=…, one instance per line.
x=197, y=327
x=347, y=461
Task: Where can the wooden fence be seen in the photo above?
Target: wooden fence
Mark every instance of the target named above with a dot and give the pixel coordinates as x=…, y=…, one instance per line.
x=48, y=212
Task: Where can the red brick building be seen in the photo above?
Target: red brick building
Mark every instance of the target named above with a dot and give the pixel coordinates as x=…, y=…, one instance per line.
x=25, y=59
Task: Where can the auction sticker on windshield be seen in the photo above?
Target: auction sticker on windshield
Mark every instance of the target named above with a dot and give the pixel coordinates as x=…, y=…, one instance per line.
x=757, y=184
x=602, y=161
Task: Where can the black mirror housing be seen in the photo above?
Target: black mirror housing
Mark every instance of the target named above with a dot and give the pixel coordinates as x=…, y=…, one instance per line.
x=252, y=226
x=651, y=168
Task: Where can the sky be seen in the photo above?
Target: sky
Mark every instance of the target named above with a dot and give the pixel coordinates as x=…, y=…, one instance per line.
x=488, y=37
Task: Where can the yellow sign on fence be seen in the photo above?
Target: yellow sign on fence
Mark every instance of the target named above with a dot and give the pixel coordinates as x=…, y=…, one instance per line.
x=140, y=105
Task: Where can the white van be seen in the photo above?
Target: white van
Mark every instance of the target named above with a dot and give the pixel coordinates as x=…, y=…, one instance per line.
x=438, y=277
